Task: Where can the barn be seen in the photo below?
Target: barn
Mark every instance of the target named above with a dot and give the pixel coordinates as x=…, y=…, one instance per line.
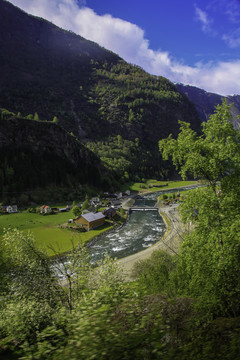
x=91, y=220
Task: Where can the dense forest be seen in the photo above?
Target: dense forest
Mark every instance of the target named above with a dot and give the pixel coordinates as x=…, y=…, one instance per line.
x=39, y=160
x=184, y=306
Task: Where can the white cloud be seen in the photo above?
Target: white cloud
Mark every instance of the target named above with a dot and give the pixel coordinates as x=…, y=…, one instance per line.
x=222, y=78
x=204, y=19
x=233, y=39
x=128, y=40
x=232, y=10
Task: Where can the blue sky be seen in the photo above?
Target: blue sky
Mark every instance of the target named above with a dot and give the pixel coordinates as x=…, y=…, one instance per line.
x=193, y=42
x=189, y=30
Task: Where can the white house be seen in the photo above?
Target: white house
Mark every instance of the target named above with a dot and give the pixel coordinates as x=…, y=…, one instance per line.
x=95, y=201
x=11, y=209
x=119, y=195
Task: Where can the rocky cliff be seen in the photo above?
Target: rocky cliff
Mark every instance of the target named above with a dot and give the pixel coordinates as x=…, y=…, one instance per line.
x=206, y=102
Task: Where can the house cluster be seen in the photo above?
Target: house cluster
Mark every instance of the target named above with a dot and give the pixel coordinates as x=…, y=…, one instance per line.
x=115, y=200
x=10, y=209
x=45, y=209
x=92, y=220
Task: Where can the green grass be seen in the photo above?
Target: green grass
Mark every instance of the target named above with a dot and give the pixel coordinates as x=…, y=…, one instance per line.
x=47, y=231
x=155, y=185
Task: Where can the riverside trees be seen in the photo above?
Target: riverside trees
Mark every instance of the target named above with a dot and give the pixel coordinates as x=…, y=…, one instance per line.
x=209, y=262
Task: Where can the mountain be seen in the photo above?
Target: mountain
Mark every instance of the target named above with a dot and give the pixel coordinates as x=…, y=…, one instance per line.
x=206, y=102
x=38, y=154
x=114, y=108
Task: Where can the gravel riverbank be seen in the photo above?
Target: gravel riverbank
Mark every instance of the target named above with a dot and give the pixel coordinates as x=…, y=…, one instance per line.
x=170, y=242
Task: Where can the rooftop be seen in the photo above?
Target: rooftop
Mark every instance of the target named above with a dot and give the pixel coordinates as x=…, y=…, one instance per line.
x=93, y=216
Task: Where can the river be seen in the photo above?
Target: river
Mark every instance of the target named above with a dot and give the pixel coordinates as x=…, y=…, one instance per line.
x=143, y=229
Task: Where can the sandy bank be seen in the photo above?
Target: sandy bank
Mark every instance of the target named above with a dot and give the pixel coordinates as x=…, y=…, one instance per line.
x=170, y=242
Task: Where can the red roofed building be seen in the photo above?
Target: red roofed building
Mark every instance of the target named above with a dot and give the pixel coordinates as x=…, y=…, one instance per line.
x=45, y=209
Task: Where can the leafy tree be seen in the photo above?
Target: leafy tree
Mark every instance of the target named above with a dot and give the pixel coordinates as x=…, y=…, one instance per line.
x=5, y=114
x=76, y=211
x=29, y=287
x=85, y=204
x=32, y=292
x=36, y=116
x=153, y=273
x=209, y=264
x=75, y=271
x=55, y=120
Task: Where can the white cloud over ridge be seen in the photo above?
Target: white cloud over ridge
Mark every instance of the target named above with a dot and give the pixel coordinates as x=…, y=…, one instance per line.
x=128, y=41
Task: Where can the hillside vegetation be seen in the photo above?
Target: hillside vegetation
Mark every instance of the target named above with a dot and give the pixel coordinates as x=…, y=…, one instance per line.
x=44, y=161
x=94, y=94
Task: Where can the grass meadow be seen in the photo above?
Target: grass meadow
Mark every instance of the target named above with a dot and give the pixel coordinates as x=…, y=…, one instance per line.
x=55, y=239
x=155, y=185
x=47, y=230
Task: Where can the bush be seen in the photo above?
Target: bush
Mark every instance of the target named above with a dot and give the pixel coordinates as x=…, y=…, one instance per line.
x=76, y=211
x=153, y=273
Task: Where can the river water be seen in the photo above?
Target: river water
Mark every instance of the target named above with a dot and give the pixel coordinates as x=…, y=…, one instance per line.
x=143, y=229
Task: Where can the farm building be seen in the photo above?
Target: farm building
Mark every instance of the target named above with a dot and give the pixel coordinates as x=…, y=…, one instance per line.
x=11, y=209
x=45, y=209
x=110, y=212
x=91, y=220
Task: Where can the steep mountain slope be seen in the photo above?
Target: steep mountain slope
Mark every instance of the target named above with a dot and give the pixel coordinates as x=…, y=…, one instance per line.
x=42, y=67
x=94, y=93
x=206, y=102
x=36, y=154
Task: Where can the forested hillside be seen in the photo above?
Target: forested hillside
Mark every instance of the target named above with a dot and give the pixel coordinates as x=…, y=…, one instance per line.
x=93, y=93
x=42, y=155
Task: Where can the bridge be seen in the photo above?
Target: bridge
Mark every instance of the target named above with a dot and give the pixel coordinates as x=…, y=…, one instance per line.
x=143, y=209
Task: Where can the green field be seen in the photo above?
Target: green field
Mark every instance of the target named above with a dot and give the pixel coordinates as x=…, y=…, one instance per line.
x=155, y=185
x=47, y=231
x=53, y=238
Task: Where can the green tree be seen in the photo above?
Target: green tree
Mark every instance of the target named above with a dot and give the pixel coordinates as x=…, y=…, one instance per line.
x=208, y=265
x=85, y=204
x=76, y=211
x=5, y=114
x=30, y=288
x=55, y=120
x=38, y=296
x=153, y=273
x=36, y=116
x=75, y=270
